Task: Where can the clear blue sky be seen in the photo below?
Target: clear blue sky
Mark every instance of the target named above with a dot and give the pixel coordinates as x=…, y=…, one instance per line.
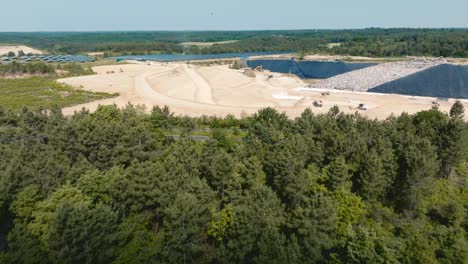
x=95, y=15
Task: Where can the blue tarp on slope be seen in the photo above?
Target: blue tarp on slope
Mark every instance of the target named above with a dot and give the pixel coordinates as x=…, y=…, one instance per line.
x=309, y=69
x=444, y=81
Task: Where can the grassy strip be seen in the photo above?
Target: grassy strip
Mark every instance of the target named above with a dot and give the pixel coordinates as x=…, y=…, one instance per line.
x=38, y=92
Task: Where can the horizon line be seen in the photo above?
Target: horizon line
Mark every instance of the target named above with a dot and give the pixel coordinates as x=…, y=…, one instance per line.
x=227, y=30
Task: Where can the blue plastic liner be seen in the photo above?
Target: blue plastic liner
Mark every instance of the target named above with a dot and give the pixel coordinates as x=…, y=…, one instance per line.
x=309, y=69
x=443, y=81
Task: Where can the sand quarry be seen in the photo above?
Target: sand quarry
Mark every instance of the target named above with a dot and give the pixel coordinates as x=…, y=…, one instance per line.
x=195, y=90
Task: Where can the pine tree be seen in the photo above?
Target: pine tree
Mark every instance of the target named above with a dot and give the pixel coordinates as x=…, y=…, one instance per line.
x=93, y=240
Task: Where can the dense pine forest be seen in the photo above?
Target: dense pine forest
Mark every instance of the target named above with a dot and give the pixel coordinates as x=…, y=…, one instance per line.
x=116, y=186
x=373, y=42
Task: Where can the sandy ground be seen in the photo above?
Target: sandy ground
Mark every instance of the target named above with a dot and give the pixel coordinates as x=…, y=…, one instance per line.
x=99, y=53
x=5, y=49
x=217, y=90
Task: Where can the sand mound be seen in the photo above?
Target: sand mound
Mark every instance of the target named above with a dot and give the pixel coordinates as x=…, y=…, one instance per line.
x=5, y=49
x=283, y=81
x=233, y=88
x=174, y=83
x=220, y=85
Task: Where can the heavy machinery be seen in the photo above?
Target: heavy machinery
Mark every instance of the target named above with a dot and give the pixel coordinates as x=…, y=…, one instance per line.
x=318, y=103
x=363, y=107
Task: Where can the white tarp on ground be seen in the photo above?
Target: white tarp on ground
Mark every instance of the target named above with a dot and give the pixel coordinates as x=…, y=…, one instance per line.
x=285, y=96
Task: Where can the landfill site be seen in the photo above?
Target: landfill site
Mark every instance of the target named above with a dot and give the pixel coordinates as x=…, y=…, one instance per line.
x=375, y=90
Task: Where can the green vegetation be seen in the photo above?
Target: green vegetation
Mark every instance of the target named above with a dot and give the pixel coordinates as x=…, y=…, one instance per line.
x=32, y=85
x=235, y=65
x=37, y=92
x=74, y=69
x=373, y=42
x=32, y=68
x=108, y=187
x=366, y=42
x=212, y=62
x=40, y=68
x=249, y=73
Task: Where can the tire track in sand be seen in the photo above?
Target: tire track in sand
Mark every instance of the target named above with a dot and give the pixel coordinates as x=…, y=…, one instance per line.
x=204, y=91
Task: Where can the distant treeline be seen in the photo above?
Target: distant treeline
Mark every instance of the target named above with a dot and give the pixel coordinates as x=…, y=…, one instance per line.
x=124, y=48
x=374, y=42
x=369, y=42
